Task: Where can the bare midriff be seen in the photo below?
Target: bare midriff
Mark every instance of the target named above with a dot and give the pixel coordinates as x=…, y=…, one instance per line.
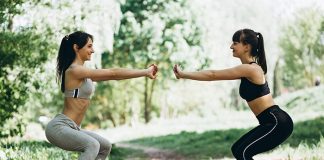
x=260, y=104
x=75, y=108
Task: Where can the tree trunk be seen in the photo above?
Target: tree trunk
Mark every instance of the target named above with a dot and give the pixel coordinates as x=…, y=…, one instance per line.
x=146, y=105
x=276, y=79
x=111, y=118
x=10, y=22
x=149, y=89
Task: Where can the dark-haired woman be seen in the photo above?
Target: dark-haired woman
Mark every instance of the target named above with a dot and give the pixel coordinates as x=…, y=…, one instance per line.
x=275, y=125
x=76, y=83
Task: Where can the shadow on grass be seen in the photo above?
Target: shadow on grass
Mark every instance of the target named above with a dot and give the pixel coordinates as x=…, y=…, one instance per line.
x=217, y=143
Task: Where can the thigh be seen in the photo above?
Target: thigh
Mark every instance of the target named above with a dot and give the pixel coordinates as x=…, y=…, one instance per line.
x=261, y=140
x=102, y=141
x=70, y=139
x=244, y=138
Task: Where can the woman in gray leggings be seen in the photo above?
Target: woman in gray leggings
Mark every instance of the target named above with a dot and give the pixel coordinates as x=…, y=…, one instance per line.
x=76, y=83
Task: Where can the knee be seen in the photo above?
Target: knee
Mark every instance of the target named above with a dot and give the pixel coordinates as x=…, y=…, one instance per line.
x=237, y=153
x=234, y=151
x=106, y=147
x=93, y=146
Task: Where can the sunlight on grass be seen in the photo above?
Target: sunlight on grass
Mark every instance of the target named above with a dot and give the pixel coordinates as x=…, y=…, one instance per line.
x=217, y=143
x=34, y=150
x=302, y=152
x=42, y=150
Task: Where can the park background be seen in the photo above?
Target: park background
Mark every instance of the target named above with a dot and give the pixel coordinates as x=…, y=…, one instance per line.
x=163, y=118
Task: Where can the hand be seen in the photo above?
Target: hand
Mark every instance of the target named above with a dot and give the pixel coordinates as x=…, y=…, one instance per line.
x=153, y=69
x=176, y=71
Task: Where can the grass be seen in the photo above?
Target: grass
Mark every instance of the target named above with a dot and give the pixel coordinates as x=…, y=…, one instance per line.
x=217, y=143
x=306, y=142
x=34, y=150
x=39, y=150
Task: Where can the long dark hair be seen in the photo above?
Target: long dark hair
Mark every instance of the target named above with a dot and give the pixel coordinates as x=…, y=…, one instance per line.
x=66, y=54
x=255, y=39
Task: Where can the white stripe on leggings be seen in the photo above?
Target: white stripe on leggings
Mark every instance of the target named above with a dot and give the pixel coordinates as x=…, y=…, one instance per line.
x=262, y=136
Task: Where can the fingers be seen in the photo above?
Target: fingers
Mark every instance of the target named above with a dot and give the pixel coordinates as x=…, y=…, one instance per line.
x=176, y=71
x=155, y=69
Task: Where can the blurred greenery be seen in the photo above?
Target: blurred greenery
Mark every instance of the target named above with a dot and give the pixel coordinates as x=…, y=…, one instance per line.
x=19, y=51
x=151, y=31
x=302, y=43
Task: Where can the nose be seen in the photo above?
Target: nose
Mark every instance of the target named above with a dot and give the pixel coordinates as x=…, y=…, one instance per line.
x=231, y=46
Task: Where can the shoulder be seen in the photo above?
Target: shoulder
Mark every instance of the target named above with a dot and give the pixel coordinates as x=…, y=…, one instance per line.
x=250, y=70
x=246, y=68
x=77, y=70
x=74, y=69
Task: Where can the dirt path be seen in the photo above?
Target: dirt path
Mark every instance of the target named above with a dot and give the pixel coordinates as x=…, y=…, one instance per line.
x=153, y=153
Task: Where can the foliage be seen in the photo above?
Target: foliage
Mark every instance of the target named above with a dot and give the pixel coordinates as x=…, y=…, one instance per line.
x=23, y=52
x=7, y=10
x=303, y=47
x=19, y=54
x=54, y=19
x=151, y=31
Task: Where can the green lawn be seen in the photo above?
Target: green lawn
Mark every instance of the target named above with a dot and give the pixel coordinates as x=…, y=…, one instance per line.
x=39, y=150
x=217, y=143
x=306, y=141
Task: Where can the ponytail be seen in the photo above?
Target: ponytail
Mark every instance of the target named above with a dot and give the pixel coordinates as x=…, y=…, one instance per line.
x=65, y=58
x=66, y=54
x=261, y=58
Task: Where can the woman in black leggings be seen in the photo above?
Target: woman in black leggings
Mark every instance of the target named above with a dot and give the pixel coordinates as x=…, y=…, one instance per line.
x=275, y=125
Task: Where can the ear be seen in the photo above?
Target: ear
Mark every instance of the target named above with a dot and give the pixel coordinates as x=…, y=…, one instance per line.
x=75, y=48
x=247, y=47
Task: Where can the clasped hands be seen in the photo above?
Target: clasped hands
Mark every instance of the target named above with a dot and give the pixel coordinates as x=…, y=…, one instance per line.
x=153, y=69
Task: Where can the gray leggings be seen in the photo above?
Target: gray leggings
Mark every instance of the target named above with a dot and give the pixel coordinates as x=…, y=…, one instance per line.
x=66, y=134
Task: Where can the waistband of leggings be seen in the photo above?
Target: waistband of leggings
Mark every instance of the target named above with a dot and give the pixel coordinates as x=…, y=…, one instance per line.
x=67, y=119
x=266, y=111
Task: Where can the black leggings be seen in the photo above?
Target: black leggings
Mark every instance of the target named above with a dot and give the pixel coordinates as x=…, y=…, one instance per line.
x=275, y=127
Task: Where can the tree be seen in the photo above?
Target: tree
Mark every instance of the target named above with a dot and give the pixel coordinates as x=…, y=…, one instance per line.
x=151, y=31
x=303, y=47
x=22, y=51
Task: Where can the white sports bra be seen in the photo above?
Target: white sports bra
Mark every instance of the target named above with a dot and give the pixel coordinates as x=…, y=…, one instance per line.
x=84, y=91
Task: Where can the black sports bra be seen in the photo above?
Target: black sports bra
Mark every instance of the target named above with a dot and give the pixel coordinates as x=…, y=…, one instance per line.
x=251, y=91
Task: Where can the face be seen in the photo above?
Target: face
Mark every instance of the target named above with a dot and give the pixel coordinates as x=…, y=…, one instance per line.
x=239, y=49
x=86, y=51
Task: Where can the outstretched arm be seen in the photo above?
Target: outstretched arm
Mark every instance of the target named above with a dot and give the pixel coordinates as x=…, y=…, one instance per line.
x=237, y=72
x=114, y=73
